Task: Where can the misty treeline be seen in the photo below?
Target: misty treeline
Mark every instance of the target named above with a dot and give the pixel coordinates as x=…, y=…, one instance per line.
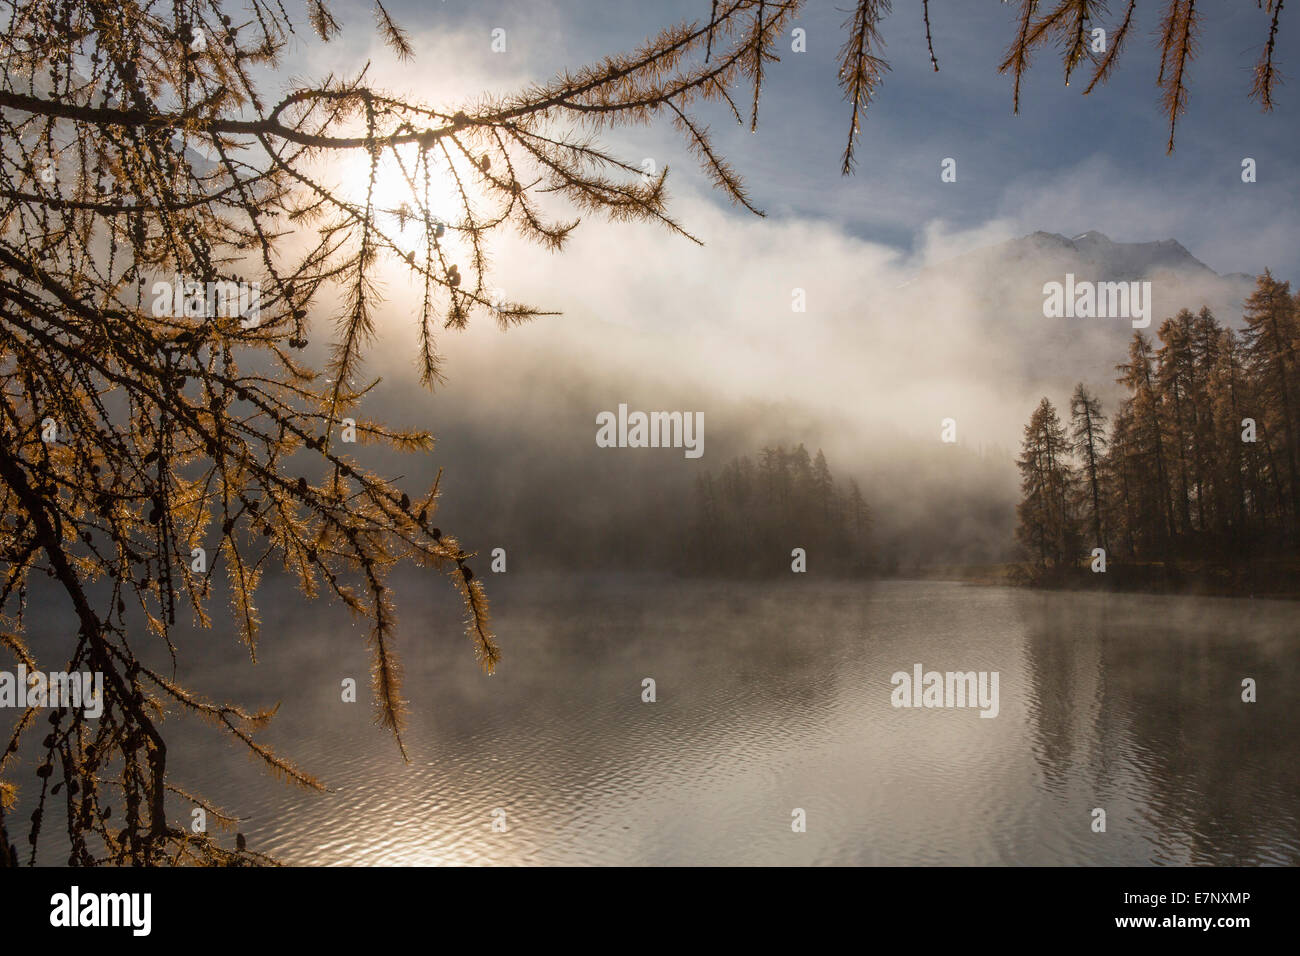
x=752, y=514
x=1199, y=462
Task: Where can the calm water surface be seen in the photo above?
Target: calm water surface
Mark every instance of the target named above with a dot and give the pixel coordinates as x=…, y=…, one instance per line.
x=773, y=696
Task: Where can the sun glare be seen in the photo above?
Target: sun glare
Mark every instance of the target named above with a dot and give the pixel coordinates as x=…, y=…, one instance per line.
x=399, y=190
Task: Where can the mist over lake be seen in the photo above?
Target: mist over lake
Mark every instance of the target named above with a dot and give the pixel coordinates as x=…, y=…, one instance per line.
x=1128, y=703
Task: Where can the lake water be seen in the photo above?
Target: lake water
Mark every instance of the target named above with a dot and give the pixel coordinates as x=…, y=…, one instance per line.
x=772, y=697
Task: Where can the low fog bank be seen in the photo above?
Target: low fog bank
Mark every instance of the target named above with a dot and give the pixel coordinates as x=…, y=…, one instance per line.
x=525, y=474
x=886, y=349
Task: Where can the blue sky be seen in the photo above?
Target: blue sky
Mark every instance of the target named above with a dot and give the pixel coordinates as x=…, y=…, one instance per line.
x=1067, y=163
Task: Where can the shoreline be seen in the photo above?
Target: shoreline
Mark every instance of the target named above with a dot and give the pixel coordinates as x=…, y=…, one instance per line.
x=1265, y=580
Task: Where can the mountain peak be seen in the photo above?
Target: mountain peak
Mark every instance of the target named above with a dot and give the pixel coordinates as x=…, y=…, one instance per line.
x=1099, y=251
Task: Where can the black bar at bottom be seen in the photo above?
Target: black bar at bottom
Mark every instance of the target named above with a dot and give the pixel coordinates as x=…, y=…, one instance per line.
x=305, y=906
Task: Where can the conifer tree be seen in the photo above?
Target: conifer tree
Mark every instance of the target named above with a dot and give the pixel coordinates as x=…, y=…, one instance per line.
x=1088, y=432
x=1238, y=464
x=1176, y=378
x=823, y=488
x=859, y=513
x=1210, y=454
x=1120, y=468
x=1149, y=433
x=1047, y=527
x=1270, y=348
